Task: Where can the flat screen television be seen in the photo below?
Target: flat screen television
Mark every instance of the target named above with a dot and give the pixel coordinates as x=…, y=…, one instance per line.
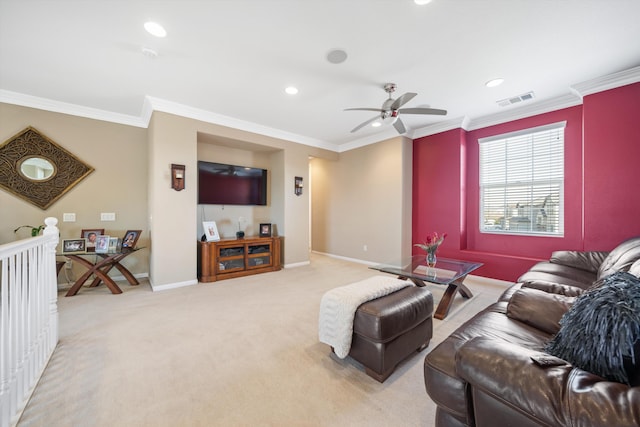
x=222, y=184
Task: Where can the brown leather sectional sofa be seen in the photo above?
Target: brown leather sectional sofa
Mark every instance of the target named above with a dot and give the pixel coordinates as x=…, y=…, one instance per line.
x=483, y=374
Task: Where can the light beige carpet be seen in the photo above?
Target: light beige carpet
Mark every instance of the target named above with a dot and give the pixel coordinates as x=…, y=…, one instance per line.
x=239, y=352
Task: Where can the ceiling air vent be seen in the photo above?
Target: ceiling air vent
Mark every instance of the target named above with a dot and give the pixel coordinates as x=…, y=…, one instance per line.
x=515, y=99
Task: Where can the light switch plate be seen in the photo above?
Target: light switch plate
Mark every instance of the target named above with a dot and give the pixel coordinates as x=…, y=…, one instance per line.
x=68, y=217
x=107, y=216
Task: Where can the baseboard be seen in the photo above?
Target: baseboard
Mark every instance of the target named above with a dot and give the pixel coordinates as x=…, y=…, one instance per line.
x=359, y=261
x=175, y=285
x=137, y=276
x=297, y=264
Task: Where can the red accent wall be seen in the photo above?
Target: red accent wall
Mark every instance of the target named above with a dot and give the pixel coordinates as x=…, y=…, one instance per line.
x=602, y=169
x=612, y=167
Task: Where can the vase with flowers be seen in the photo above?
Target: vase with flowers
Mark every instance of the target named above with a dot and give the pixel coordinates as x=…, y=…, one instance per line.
x=430, y=246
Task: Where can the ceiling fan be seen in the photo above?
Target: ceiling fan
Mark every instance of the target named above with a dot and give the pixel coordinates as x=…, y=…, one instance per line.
x=391, y=109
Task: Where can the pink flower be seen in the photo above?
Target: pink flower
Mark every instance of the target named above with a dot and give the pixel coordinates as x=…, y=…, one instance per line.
x=432, y=242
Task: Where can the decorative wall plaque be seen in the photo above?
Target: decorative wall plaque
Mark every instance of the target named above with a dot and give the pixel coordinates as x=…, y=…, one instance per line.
x=38, y=170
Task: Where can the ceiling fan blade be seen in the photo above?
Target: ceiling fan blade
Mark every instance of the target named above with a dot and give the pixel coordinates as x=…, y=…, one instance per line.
x=361, y=125
x=402, y=100
x=364, y=109
x=399, y=126
x=419, y=110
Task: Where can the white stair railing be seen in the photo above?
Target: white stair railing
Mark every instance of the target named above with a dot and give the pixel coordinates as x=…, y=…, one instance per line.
x=28, y=317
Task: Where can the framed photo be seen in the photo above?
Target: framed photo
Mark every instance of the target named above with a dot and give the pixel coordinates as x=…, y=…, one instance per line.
x=211, y=231
x=113, y=244
x=74, y=246
x=265, y=230
x=102, y=244
x=130, y=238
x=91, y=234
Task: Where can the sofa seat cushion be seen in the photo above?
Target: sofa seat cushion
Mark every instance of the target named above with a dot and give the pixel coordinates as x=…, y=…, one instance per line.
x=385, y=318
x=443, y=384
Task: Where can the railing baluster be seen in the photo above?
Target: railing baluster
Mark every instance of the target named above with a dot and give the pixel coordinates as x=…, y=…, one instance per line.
x=28, y=317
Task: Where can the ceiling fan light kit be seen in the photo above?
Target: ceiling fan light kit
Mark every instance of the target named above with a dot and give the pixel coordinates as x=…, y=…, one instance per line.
x=390, y=110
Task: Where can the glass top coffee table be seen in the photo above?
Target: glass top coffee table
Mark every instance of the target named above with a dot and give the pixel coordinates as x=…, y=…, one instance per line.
x=449, y=272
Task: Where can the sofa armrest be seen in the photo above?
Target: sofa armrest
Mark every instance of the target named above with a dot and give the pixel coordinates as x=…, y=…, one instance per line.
x=588, y=261
x=554, y=395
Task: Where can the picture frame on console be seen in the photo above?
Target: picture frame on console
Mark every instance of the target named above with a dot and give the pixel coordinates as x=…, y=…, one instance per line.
x=91, y=234
x=102, y=244
x=130, y=239
x=265, y=230
x=74, y=246
x=211, y=231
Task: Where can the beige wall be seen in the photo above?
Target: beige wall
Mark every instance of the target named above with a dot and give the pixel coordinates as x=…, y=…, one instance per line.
x=364, y=198
x=175, y=222
x=119, y=183
x=360, y=197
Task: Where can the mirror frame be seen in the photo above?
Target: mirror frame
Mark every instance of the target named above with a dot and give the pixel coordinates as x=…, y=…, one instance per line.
x=68, y=169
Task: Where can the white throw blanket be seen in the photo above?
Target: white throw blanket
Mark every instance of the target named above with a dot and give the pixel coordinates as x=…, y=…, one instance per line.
x=338, y=309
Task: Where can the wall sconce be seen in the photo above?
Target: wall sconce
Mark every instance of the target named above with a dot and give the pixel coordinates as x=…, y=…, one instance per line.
x=177, y=177
x=297, y=186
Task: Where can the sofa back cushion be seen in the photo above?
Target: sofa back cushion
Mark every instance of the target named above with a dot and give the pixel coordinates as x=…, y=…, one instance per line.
x=621, y=258
x=601, y=331
x=542, y=310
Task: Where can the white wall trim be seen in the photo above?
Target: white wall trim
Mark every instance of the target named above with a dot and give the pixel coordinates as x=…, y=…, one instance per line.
x=29, y=101
x=137, y=276
x=358, y=261
x=297, y=264
x=610, y=81
x=158, y=104
x=175, y=285
x=151, y=104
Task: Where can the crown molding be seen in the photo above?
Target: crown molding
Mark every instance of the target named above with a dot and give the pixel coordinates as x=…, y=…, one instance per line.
x=151, y=104
x=611, y=81
x=29, y=101
x=459, y=122
x=157, y=104
x=533, y=109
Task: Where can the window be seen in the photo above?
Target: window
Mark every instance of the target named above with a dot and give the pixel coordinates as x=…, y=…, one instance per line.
x=522, y=182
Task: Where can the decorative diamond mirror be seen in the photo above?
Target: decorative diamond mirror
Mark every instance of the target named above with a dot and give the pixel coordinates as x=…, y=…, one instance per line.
x=38, y=170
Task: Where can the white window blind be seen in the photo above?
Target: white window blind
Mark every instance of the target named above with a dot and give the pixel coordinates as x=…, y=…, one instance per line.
x=522, y=182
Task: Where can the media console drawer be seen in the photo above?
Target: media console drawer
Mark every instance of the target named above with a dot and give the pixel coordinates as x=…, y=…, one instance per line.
x=237, y=257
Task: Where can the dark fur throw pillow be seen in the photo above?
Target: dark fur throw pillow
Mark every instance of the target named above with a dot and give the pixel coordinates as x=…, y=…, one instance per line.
x=601, y=331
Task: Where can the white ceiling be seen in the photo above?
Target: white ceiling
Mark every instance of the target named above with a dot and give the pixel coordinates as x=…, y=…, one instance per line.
x=229, y=61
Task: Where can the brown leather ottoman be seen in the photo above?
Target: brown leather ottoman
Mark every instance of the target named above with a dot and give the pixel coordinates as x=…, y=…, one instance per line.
x=389, y=329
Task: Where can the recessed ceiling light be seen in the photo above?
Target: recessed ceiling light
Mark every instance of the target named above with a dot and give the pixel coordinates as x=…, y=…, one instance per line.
x=376, y=124
x=155, y=29
x=494, y=82
x=422, y=2
x=291, y=90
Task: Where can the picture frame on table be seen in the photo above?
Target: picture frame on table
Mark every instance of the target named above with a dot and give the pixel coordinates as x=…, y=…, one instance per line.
x=211, y=231
x=91, y=234
x=102, y=244
x=113, y=245
x=130, y=239
x=74, y=246
x=265, y=230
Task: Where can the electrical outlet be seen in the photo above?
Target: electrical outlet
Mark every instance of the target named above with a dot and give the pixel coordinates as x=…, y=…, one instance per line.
x=364, y=248
x=68, y=264
x=68, y=217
